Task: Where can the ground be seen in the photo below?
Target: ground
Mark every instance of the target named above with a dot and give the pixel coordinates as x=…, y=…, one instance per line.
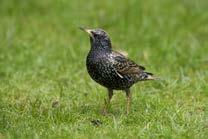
x=45, y=91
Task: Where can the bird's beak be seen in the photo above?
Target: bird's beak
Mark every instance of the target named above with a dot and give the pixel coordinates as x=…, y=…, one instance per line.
x=87, y=30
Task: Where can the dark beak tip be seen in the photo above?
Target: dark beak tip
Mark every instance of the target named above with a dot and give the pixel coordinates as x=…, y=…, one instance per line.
x=86, y=30
x=82, y=28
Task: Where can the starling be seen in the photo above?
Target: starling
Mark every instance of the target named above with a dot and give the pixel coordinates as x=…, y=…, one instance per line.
x=112, y=69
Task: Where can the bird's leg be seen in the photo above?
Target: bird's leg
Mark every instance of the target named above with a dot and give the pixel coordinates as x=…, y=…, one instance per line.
x=128, y=97
x=107, y=101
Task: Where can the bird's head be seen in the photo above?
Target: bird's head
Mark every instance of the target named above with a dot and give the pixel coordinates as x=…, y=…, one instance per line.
x=98, y=38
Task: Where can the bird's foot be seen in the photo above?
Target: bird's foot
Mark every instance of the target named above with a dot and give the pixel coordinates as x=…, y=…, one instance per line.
x=127, y=113
x=104, y=112
x=106, y=107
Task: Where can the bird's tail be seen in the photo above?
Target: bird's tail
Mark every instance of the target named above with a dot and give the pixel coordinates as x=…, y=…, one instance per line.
x=148, y=76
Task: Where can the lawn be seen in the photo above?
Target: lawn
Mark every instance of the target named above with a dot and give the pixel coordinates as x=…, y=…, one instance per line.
x=46, y=92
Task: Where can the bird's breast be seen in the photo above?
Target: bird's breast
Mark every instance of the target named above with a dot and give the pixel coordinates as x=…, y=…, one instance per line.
x=100, y=68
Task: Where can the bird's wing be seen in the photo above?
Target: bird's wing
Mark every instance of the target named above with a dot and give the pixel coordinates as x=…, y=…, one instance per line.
x=124, y=66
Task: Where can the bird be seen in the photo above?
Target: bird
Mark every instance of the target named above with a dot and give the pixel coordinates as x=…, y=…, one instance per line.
x=112, y=69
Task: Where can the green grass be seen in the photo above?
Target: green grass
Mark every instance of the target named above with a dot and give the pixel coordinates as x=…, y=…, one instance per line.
x=42, y=63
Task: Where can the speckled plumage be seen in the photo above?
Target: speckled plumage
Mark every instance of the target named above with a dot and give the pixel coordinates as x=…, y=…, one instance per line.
x=110, y=68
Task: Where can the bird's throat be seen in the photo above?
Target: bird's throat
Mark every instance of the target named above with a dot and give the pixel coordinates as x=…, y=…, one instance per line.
x=100, y=45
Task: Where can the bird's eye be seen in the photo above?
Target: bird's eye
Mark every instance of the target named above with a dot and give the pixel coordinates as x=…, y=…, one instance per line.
x=94, y=34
